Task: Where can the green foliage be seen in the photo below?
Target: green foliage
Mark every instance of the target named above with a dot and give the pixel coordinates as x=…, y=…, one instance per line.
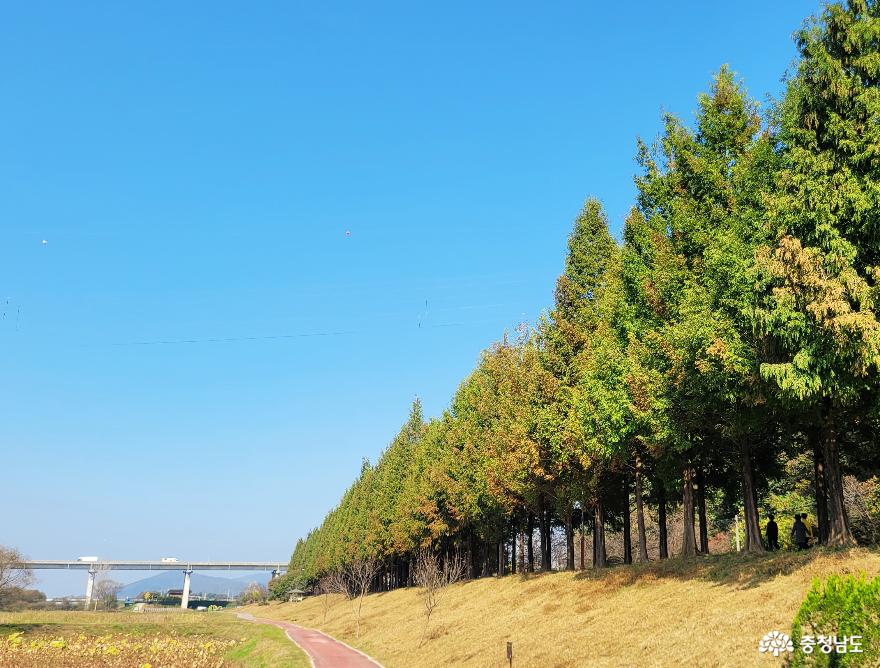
x=736, y=321
x=820, y=281
x=280, y=587
x=841, y=606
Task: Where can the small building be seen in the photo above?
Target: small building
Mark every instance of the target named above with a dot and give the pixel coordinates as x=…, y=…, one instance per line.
x=296, y=595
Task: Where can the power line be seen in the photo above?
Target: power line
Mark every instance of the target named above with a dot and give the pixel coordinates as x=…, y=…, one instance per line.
x=275, y=337
x=231, y=339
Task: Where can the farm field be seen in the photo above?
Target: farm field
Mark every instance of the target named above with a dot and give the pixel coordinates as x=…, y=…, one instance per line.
x=142, y=640
x=709, y=611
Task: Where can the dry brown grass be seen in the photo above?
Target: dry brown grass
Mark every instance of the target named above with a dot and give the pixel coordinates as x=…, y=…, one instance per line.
x=705, y=612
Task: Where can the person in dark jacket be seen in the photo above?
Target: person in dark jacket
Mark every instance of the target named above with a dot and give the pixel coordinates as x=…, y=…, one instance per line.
x=799, y=533
x=772, y=534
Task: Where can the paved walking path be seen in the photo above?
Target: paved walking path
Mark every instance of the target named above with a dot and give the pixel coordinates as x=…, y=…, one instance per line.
x=323, y=651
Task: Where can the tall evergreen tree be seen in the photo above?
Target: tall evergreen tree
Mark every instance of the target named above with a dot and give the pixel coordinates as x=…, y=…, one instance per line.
x=567, y=339
x=820, y=280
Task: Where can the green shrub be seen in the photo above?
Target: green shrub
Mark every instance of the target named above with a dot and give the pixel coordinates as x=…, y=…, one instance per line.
x=280, y=587
x=842, y=607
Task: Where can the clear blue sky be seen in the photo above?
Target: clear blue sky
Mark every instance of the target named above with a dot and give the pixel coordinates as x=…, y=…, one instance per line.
x=194, y=172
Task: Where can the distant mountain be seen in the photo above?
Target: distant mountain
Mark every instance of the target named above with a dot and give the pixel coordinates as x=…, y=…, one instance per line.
x=198, y=584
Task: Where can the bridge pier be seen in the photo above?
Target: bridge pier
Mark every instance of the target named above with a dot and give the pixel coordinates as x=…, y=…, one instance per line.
x=90, y=587
x=184, y=599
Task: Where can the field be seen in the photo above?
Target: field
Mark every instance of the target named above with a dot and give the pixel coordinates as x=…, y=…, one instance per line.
x=709, y=611
x=142, y=640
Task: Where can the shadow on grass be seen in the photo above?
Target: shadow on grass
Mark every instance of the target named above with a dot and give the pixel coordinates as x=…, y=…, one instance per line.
x=81, y=626
x=737, y=570
x=133, y=626
x=25, y=627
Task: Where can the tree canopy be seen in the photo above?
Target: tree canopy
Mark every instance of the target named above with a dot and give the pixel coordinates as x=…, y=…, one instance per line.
x=731, y=333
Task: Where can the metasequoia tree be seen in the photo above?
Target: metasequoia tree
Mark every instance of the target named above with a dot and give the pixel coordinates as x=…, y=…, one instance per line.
x=820, y=280
x=734, y=325
x=569, y=340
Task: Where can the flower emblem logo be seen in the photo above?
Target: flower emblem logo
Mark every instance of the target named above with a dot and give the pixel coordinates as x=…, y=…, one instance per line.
x=776, y=643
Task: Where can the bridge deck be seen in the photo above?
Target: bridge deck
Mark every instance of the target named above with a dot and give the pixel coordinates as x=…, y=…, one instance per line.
x=157, y=565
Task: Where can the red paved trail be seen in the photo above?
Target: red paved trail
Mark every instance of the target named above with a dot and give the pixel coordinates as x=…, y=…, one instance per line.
x=324, y=651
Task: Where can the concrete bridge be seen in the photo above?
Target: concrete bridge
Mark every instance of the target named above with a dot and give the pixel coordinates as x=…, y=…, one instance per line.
x=94, y=566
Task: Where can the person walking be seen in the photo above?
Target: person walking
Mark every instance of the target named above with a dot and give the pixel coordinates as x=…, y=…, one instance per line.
x=799, y=533
x=772, y=534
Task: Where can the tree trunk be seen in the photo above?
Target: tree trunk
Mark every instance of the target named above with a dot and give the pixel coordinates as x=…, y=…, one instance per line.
x=569, y=542
x=661, y=520
x=544, y=521
x=599, y=534
x=701, y=509
x=640, y=514
x=838, y=524
x=752, y=527
x=549, y=542
x=583, y=546
x=627, y=526
x=688, y=540
x=522, y=552
x=501, y=557
x=819, y=484
x=530, y=544
x=595, y=540
x=513, y=552
x=472, y=553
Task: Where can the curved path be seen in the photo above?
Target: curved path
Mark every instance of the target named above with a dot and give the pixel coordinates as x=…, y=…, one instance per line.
x=322, y=650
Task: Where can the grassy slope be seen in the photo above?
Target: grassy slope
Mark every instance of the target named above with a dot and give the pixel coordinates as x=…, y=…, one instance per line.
x=705, y=612
x=260, y=646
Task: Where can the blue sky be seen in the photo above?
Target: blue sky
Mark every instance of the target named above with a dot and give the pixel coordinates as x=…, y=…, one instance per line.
x=195, y=171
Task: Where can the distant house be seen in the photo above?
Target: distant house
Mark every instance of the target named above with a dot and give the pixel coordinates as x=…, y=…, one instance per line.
x=175, y=593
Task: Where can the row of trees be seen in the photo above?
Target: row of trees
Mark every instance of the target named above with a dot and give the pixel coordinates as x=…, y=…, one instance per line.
x=734, y=328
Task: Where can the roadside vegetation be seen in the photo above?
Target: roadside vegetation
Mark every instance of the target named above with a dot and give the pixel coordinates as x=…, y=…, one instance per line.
x=141, y=640
x=711, y=611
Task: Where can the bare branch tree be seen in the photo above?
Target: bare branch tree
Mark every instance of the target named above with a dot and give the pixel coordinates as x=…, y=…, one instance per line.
x=359, y=574
x=254, y=594
x=332, y=583
x=105, y=592
x=433, y=574
x=12, y=574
